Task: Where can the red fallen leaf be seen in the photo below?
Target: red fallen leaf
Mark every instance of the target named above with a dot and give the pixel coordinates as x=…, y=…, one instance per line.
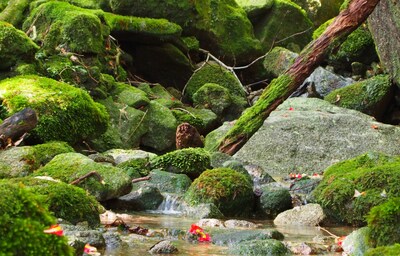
x=88, y=249
x=173, y=98
x=374, y=127
x=54, y=230
x=291, y=108
x=194, y=229
x=339, y=240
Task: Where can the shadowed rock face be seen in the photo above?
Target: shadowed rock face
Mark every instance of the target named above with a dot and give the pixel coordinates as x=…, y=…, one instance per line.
x=308, y=135
x=384, y=24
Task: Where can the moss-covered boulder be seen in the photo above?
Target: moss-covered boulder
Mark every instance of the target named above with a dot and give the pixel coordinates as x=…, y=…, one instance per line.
x=168, y=182
x=14, y=46
x=268, y=247
x=274, y=199
x=278, y=60
x=22, y=161
x=189, y=161
x=383, y=223
x=65, y=113
x=229, y=190
x=71, y=166
x=22, y=221
x=392, y=250
x=286, y=25
x=130, y=95
x=161, y=95
x=373, y=175
x=161, y=125
x=255, y=8
x=203, y=119
x=232, y=236
x=220, y=26
x=371, y=96
x=212, y=72
x=65, y=201
x=135, y=168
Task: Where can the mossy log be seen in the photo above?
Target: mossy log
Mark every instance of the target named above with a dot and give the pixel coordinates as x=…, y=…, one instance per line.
x=14, y=11
x=17, y=125
x=283, y=86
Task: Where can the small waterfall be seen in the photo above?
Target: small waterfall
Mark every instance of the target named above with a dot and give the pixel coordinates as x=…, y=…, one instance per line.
x=172, y=204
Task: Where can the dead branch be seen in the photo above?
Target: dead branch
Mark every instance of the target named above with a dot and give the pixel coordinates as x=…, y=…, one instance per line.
x=92, y=173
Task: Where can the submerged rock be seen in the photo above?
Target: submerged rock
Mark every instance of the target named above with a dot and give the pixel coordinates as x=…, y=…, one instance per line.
x=268, y=247
x=163, y=247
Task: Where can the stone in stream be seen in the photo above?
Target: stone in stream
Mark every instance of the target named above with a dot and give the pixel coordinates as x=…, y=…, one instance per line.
x=163, y=247
x=307, y=215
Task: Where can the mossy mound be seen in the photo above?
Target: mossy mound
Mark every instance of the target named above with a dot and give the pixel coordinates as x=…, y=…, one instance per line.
x=71, y=166
x=383, y=222
x=65, y=113
x=212, y=72
x=384, y=250
x=370, y=96
x=274, y=199
x=189, y=161
x=267, y=247
x=220, y=25
x=214, y=97
x=22, y=161
x=203, y=119
x=286, y=25
x=65, y=201
x=373, y=175
x=14, y=46
x=22, y=221
x=229, y=190
x=135, y=168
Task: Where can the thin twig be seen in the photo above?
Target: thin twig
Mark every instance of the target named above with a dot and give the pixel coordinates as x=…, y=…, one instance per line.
x=330, y=233
x=92, y=173
x=141, y=179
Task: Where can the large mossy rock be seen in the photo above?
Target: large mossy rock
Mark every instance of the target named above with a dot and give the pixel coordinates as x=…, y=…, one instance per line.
x=22, y=221
x=65, y=113
x=274, y=199
x=14, y=46
x=382, y=222
x=189, y=161
x=384, y=24
x=267, y=247
x=371, y=96
x=71, y=166
x=68, y=202
x=373, y=175
x=22, y=161
x=168, y=182
x=286, y=25
x=221, y=26
x=229, y=190
x=233, y=236
x=255, y=8
x=308, y=135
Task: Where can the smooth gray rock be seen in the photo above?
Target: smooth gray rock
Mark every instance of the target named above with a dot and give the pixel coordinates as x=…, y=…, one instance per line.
x=306, y=215
x=314, y=135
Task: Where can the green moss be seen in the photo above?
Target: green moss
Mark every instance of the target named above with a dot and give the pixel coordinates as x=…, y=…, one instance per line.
x=71, y=166
x=383, y=223
x=211, y=72
x=268, y=247
x=213, y=97
x=203, y=119
x=370, y=173
x=14, y=46
x=365, y=96
x=43, y=153
x=321, y=29
x=65, y=113
x=65, y=201
x=130, y=96
x=168, y=182
x=136, y=168
x=384, y=250
x=229, y=190
x=285, y=25
x=22, y=221
x=14, y=11
x=189, y=161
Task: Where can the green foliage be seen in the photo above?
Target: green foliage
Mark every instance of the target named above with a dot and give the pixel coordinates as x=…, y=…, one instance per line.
x=383, y=222
x=384, y=250
x=190, y=161
x=14, y=46
x=229, y=190
x=65, y=113
x=22, y=221
x=370, y=173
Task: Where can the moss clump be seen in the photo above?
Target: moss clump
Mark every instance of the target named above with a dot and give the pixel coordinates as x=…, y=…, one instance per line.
x=203, y=119
x=229, y=190
x=189, y=161
x=71, y=166
x=43, y=153
x=268, y=247
x=366, y=96
x=214, y=97
x=14, y=46
x=383, y=223
x=384, y=250
x=22, y=221
x=370, y=173
x=65, y=113
x=65, y=201
x=136, y=168
x=212, y=72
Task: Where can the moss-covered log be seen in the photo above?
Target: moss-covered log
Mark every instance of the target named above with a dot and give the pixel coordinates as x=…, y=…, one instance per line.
x=14, y=11
x=18, y=124
x=283, y=86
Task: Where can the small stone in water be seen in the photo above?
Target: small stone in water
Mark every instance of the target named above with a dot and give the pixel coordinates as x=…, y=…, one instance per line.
x=163, y=247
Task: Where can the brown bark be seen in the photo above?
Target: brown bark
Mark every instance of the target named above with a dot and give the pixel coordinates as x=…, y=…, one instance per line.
x=17, y=125
x=141, y=179
x=282, y=87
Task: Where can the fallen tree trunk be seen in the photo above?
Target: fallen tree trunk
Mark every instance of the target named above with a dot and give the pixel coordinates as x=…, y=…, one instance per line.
x=283, y=86
x=17, y=125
